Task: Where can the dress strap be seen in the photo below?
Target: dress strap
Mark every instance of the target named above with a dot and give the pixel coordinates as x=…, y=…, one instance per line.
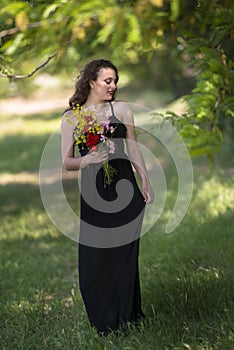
x=112, y=109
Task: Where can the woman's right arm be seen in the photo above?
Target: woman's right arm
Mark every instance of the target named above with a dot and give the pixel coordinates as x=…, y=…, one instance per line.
x=70, y=162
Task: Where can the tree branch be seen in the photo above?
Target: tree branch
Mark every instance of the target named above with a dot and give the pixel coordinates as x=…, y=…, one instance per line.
x=15, y=30
x=12, y=76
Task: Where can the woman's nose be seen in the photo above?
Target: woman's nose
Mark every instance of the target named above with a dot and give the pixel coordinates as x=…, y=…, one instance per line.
x=113, y=85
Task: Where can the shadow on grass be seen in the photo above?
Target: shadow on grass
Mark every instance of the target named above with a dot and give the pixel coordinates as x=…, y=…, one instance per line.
x=16, y=199
x=43, y=116
x=19, y=198
x=22, y=152
x=188, y=284
x=187, y=290
x=30, y=265
x=187, y=277
x=39, y=291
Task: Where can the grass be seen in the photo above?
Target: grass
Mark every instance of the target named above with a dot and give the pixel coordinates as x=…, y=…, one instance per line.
x=186, y=277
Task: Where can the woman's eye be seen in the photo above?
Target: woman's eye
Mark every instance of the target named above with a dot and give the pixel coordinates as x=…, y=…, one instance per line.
x=108, y=82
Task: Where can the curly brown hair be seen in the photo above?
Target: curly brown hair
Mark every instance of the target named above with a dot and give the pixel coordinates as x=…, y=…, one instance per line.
x=90, y=72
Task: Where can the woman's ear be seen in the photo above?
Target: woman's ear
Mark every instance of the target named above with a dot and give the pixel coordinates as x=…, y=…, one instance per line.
x=91, y=84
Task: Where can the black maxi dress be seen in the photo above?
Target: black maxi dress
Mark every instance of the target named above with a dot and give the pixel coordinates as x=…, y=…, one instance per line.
x=111, y=220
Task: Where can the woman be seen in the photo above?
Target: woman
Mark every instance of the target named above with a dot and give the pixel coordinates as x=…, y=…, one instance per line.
x=112, y=214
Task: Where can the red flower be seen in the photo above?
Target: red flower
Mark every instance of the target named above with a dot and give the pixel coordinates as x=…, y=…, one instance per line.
x=92, y=140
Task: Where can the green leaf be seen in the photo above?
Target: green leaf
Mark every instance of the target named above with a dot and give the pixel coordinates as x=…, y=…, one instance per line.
x=106, y=31
x=134, y=32
x=15, y=44
x=175, y=10
x=50, y=10
x=14, y=7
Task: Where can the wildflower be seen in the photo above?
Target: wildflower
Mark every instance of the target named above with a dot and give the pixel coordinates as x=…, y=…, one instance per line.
x=89, y=133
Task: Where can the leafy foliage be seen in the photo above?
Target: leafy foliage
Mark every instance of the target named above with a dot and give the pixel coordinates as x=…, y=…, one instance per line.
x=210, y=50
x=198, y=33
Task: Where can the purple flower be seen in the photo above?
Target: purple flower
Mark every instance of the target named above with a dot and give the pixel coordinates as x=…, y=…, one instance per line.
x=105, y=125
x=103, y=138
x=111, y=145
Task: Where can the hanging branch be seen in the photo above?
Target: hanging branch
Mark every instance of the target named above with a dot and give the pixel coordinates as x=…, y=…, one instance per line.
x=15, y=30
x=12, y=76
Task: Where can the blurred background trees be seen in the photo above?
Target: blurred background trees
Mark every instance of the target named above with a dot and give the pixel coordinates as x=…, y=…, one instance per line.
x=183, y=47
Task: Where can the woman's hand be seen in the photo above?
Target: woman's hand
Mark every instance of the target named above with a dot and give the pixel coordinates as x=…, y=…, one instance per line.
x=94, y=157
x=147, y=192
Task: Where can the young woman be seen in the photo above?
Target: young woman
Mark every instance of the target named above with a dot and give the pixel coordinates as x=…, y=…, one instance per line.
x=111, y=214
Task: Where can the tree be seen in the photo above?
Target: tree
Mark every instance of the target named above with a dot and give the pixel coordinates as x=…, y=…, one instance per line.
x=199, y=33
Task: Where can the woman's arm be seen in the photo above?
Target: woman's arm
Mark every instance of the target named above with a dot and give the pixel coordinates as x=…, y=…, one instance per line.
x=134, y=151
x=70, y=162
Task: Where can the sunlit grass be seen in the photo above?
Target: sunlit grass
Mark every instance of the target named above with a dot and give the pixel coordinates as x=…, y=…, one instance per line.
x=216, y=202
x=15, y=125
x=22, y=140
x=186, y=276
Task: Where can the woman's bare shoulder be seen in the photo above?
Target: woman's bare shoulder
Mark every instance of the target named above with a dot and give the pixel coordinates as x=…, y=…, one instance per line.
x=120, y=105
x=121, y=108
x=68, y=113
x=123, y=111
x=69, y=117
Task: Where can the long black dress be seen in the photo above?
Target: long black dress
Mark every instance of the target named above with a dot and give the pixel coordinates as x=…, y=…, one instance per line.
x=111, y=220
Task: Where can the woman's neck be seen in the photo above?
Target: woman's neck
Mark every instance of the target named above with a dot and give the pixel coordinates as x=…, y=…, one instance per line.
x=93, y=100
x=94, y=104
x=101, y=110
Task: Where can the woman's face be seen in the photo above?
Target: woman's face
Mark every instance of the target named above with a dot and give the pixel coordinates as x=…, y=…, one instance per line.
x=104, y=88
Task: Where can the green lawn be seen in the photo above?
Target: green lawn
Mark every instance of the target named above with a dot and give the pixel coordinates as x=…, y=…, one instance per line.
x=186, y=277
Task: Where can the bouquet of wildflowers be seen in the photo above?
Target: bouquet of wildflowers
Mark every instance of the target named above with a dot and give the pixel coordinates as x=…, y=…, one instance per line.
x=88, y=133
